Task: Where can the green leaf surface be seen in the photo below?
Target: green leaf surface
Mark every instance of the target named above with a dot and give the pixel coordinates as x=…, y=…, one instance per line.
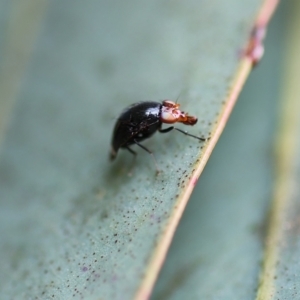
x=72, y=224
x=218, y=247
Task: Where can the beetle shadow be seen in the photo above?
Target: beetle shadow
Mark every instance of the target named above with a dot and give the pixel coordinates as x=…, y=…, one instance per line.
x=125, y=168
x=121, y=170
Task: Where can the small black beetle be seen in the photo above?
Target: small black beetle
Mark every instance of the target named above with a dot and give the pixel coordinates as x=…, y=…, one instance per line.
x=142, y=119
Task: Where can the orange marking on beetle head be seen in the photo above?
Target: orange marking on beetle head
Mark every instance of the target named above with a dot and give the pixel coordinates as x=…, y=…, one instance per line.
x=170, y=113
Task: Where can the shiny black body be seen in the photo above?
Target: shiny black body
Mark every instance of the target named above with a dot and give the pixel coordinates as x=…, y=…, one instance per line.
x=135, y=124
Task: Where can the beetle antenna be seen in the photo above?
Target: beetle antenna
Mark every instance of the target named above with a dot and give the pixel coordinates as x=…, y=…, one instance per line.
x=178, y=97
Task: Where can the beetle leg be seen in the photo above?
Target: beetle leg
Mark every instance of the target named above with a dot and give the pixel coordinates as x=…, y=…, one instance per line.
x=146, y=149
x=131, y=151
x=188, y=134
x=182, y=131
x=133, y=161
x=112, y=154
x=166, y=129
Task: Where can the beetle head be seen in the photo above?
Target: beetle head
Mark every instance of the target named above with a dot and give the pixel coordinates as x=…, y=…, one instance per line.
x=170, y=113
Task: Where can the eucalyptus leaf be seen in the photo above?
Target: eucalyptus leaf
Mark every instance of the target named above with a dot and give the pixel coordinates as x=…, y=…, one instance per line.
x=218, y=246
x=73, y=225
